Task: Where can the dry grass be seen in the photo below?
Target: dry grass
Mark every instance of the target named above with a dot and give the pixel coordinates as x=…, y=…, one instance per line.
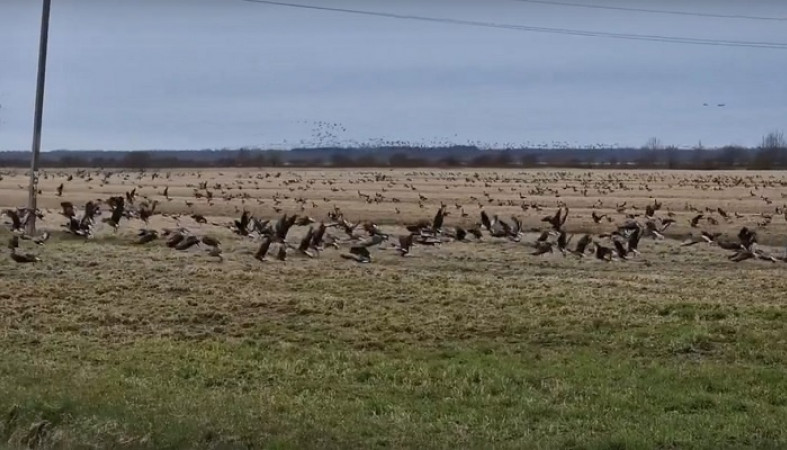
x=106, y=344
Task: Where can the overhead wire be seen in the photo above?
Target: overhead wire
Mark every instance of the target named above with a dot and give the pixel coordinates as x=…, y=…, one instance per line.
x=654, y=11
x=534, y=29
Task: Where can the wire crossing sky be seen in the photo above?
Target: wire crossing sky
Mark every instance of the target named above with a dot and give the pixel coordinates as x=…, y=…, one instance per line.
x=655, y=11
x=280, y=74
x=567, y=31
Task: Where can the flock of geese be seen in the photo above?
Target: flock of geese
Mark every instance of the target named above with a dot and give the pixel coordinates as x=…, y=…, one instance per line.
x=362, y=237
x=358, y=240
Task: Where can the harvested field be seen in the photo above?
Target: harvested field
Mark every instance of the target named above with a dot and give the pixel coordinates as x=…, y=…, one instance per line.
x=108, y=344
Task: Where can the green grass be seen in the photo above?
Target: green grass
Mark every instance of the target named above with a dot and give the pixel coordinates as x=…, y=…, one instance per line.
x=464, y=346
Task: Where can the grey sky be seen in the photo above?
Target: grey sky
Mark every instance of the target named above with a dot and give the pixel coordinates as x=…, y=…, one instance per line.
x=227, y=73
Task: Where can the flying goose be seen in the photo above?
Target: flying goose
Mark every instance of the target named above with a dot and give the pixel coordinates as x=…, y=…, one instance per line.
x=281, y=255
x=20, y=258
x=176, y=238
x=38, y=240
x=558, y=220
x=211, y=241
x=620, y=249
x=405, y=243
x=695, y=220
x=542, y=247
x=437, y=222
x=603, y=253
x=263, y=249
x=241, y=226
x=475, y=230
x=582, y=245
x=562, y=242
x=187, y=242
x=304, y=221
x=460, y=234
x=597, y=218
x=118, y=209
x=145, y=236
x=145, y=213
x=306, y=243
x=358, y=254
x=633, y=240
x=16, y=223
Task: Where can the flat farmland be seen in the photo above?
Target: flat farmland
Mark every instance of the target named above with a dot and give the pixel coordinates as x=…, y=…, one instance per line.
x=105, y=343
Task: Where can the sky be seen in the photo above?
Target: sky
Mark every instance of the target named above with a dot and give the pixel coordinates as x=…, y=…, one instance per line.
x=194, y=74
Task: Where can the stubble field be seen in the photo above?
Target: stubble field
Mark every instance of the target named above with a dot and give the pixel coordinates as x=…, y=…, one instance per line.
x=108, y=344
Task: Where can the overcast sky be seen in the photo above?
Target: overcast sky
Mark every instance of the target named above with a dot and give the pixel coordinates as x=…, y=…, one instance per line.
x=156, y=74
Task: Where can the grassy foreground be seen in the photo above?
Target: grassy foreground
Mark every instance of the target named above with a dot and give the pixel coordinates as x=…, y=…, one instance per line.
x=465, y=346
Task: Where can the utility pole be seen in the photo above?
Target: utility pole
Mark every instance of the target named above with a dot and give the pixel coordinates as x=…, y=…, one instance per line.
x=39, y=112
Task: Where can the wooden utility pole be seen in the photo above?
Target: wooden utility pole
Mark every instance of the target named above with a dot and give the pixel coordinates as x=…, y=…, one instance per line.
x=39, y=112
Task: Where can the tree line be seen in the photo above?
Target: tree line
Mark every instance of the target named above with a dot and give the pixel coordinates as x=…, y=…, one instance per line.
x=771, y=154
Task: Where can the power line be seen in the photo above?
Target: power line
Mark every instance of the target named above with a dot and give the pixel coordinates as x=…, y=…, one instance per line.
x=564, y=31
x=655, y=11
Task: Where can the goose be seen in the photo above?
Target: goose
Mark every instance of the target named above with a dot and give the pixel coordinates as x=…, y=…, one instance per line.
x=515, y=232
x=306, y=242
x=145, y=213
x=603, y=253
x=747, y=237
x=16, y=223
x=67, y=209
x=281, y=255
x=241, y=226
x=118, y=208
x=695, y=220
x=176, y=238
x=562, y=242
x=374, y=240
x=187, y=242
x=263, y=249
x=460, y=234
x=304, y=221
x=359, y=254
x=486, y=222
x=652, y=230
x=419, y=226
x=543, y=236
x=216, y=252
x=475, y=230
x=405, y=243
x=211, y=241
x=23, y=258
x=283, y=227
x=620, y=249
x=542, y=247
x=582, y=245
x=20, y=258
x=437, y=222
x=317, y=237
x=145, y=236
x=558, y=220
x=38, y=240
x=741, y=255
x=633, y=241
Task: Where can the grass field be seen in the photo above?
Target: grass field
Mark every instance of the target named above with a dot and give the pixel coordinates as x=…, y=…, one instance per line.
x=105, y=344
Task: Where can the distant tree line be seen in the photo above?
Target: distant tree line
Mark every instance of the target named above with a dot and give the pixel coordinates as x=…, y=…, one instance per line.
x=771, y=154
